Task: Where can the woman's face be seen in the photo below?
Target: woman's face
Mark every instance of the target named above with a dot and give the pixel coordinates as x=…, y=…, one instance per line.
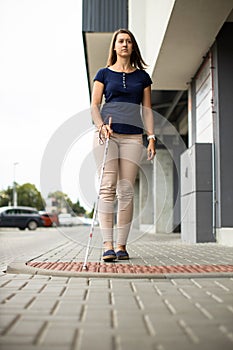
x=123, y=45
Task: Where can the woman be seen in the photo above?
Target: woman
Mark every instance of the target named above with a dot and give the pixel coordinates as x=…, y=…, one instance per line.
x=126, y=87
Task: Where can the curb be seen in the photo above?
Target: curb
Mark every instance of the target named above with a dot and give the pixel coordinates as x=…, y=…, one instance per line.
x=22, y=268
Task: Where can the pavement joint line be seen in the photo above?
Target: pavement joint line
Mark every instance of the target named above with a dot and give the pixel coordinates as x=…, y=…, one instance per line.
x=112, y=299
x=149, y=326
x=226, y=332
x=9, y=297
x=82, y=313
x=170, y=307
x=114, y=319
x=23, y=285
x=11, y=325
x=185, y=294
x=116, y=342
x=133, y=287
x=222, y=286
x=157, y=289
x=215, y=297
x=55, y=307
x=196, y=283
x=5, y=283
x=188, y=331
x=76, y=339
x=230, y=308
x=139, y=302
x=30, y=302
x=173, y=282
x=204, y=311
x=41, y=333
x=63, y=291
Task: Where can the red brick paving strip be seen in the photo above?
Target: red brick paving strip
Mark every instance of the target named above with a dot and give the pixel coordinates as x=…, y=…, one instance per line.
x=129, y=269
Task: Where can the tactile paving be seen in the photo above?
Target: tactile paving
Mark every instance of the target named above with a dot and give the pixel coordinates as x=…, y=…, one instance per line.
x=129, y=269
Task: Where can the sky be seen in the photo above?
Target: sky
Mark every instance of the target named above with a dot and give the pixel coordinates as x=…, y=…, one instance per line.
x=43, y=84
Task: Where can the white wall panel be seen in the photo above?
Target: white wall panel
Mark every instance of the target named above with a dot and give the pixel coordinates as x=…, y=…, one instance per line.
x=148, y=20
x=204, y=93
x=204, y=106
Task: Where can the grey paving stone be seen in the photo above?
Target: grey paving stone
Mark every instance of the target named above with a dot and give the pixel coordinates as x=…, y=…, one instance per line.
x=25, y=327
x=59, y=334
x=43, y=305
x=74, y=293
x=16, y=340
x=97, y=340
x=137, y=343
x=17, y=300
x=69, y=308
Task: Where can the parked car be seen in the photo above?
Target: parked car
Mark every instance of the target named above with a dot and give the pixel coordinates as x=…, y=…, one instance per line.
x=21, y=217
x=66, y=219
x=88, y=221
x=49, y=219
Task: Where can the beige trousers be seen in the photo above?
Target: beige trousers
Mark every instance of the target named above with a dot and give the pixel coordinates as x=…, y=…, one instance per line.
x=117, y=188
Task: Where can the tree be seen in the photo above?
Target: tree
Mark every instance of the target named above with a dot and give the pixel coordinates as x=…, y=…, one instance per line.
x=78, y=209
x=27, y=194
x=90, y=214
x=6, y=197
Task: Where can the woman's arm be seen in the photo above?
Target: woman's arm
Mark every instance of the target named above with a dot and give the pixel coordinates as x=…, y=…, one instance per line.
x=97, y=96
x=147, y=113
x=148, y=120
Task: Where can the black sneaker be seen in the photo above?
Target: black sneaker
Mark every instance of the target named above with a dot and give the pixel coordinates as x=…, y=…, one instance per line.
x=122, y=255
x=109, y=255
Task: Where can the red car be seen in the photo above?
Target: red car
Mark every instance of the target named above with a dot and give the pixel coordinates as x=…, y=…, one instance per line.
x=49, y=219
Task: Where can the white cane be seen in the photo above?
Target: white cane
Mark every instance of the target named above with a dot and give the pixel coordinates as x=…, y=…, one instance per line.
x=98, y=197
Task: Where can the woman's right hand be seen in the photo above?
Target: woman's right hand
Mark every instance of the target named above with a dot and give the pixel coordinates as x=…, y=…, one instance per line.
x=105, y=131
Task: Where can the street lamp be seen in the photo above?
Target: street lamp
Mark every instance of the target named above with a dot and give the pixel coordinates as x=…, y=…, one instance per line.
x=14, y=185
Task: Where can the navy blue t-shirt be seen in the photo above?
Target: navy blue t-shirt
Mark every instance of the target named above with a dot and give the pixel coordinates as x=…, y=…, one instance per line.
x=123, y=96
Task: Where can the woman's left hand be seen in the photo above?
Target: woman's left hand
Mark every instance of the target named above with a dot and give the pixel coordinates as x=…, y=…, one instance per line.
x=151, y=150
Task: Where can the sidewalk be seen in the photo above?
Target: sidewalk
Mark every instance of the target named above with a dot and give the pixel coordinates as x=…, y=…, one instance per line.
x=163, y=312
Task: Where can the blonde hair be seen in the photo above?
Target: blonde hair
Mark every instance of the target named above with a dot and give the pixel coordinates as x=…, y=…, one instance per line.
x=136, y=59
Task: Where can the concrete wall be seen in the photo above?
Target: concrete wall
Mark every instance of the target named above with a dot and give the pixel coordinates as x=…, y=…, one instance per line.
x=223, y=51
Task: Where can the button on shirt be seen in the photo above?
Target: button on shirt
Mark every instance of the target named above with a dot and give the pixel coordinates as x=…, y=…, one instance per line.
x=123, y=96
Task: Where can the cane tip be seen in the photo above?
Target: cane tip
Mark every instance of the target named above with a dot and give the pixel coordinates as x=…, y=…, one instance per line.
x=85, y=267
